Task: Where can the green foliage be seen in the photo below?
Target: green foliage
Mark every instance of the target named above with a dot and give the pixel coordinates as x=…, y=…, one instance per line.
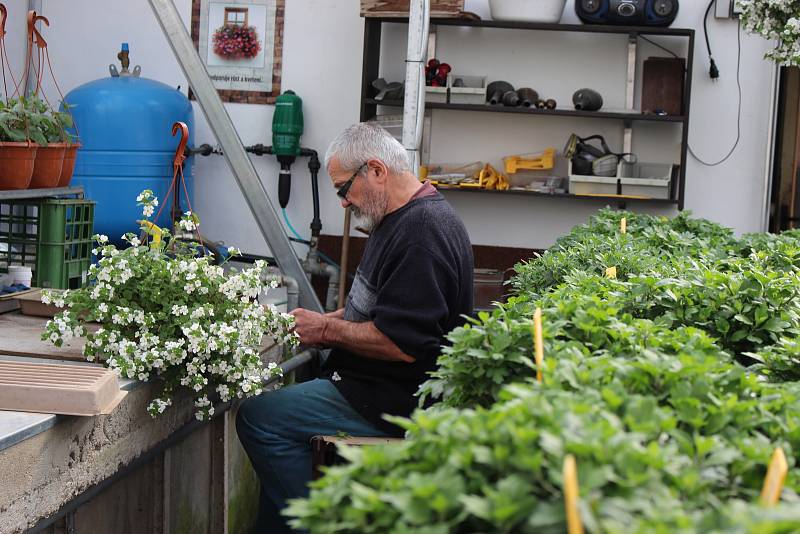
x=20, y=123
x=643, y=384
x=53, y=124
x=499, y=470
x=31, y=119
x=651, y=245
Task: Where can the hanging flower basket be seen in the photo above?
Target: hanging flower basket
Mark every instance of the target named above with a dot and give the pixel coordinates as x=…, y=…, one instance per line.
x=167, y=313
x=778, y=20
x=236, y=42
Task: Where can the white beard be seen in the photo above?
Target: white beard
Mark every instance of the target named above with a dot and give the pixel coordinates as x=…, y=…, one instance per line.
x=372, y=213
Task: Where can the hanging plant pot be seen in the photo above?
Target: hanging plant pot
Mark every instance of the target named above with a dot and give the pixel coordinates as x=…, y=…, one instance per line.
x=68, y=167
x=16, y=164
x=47, y=167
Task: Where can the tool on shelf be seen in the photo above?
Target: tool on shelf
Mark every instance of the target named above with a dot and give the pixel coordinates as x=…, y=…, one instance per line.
x=529, y=162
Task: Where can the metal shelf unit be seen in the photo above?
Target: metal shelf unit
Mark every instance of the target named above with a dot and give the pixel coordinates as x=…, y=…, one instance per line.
x=371, y=66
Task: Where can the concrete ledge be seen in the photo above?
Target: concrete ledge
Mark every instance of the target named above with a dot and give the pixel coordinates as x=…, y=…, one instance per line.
x=40, y=474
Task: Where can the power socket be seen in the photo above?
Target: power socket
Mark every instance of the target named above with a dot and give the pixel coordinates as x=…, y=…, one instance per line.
x=726, y=9
x=723, y=9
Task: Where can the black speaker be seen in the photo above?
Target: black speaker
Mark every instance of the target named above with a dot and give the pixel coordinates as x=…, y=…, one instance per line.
x=627, y=12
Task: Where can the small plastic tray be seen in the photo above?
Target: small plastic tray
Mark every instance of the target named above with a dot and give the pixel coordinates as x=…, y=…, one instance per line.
x=60, y=389
x=472, y=92
x=30, y=303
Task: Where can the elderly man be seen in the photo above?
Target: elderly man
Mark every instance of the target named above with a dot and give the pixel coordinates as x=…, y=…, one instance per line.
x=412, y=287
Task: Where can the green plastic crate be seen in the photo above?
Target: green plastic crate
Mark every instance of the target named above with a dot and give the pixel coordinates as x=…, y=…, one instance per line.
x=53, y=236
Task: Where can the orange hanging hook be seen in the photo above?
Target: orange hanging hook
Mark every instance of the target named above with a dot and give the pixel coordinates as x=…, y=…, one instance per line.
x=33, y=18
x=180, y=156
x=3, y=17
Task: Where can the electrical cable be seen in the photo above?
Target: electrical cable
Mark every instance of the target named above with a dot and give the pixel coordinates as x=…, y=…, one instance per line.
x=291, y=228
x=665, y=49
x=713, y=71
x=739, y=112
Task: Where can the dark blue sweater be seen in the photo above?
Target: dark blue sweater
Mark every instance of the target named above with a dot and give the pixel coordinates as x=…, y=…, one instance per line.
x=415, y=283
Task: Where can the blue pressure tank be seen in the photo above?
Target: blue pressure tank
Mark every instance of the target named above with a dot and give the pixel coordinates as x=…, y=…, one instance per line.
x=124, y=123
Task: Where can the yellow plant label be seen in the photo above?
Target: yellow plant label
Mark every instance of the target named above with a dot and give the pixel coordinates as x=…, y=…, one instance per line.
x=538, y=342
x=623, y=225
x=776, y=476
x=574, y=524
x=611, y=272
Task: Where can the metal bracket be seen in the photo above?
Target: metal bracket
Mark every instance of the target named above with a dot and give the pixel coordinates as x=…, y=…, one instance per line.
x=630, y=81
x=242, y=168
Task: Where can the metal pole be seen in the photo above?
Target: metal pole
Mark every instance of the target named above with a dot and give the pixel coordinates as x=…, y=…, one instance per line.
x=414, y=108
x=242, y=168
x=769, y=164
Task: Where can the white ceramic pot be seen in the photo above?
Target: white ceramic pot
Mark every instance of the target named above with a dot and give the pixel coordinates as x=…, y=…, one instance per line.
x=527, y=10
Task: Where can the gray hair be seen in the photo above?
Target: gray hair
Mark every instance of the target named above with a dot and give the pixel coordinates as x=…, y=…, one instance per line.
x=364, y=141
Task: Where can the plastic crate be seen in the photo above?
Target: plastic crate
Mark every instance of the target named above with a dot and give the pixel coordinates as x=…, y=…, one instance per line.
x=53, y=236
x=649, y=180
x=472, y=92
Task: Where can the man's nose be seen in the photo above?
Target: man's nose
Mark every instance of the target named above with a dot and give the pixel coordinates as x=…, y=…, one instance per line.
x=346, y=203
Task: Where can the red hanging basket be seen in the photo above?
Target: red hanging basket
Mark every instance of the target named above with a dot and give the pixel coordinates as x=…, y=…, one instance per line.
x=236, y=42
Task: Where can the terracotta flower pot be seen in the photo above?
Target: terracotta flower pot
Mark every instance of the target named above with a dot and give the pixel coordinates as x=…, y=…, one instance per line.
x=16, y=165
x=47, y=168
x=68, y=167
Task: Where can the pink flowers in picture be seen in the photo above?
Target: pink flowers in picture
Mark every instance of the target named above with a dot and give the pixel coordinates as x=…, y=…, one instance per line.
x=236, y=42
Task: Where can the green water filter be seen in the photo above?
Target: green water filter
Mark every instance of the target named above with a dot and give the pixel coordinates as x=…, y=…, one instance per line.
x=287, y=128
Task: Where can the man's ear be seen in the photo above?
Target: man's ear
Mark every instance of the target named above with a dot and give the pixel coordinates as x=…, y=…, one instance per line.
x=379, y=169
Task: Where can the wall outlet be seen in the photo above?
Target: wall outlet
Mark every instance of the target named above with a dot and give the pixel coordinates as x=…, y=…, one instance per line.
x=723, y=9
x=726, y=9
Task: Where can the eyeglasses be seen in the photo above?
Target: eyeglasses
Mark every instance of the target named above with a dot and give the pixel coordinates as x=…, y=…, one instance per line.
x=342, y=191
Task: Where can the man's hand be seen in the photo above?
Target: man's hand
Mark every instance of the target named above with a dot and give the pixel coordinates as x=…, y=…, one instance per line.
x=310, y=326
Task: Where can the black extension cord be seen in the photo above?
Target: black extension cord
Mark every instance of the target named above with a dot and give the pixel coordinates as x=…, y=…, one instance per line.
x=713, y=71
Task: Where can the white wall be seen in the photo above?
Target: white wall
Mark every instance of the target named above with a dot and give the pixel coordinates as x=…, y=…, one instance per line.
x=322, y=63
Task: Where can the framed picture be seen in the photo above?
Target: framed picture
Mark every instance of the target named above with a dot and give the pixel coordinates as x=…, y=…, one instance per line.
x=241, y=44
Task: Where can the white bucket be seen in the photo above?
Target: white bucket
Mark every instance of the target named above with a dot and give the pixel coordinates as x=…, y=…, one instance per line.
x=527, y=10
x=20, y=274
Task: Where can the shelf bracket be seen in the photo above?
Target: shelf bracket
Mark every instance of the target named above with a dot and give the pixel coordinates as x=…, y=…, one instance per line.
x=630, y=81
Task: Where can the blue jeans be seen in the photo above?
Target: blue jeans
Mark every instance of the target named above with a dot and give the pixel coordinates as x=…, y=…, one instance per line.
x=275, y=429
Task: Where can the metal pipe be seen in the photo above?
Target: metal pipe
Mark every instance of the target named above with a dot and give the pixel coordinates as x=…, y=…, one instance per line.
x=414, y=109
x=292, y=292
x=242, y=168
x=331, y=299
x=343, y=259
x=313, y=167
x=314, y=266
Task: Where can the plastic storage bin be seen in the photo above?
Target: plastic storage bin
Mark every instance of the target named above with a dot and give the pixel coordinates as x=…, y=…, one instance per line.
x=391, y=123
x=472, y=92
x=636, y=179
x=436, y=94
x=54, y=237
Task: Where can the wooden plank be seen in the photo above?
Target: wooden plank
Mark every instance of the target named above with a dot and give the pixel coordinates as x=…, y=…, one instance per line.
x=358, y=441
x=399, y=8
x=20, y=335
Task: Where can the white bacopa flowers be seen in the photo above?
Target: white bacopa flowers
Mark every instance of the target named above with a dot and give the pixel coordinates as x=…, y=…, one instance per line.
x=148, y=202
x=778, y=20
x=170, y=315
